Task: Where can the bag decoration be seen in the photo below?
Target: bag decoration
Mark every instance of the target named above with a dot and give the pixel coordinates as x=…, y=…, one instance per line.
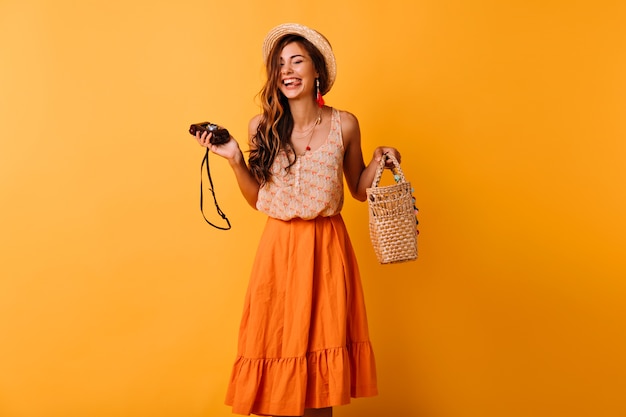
x=392, y=216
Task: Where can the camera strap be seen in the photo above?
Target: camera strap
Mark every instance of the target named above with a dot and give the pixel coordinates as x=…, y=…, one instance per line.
x=205, y=161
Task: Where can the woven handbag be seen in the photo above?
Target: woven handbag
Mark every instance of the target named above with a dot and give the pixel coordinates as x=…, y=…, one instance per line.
x=392, y=217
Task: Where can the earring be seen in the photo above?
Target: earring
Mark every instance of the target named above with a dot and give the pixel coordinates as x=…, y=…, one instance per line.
x=319, y=98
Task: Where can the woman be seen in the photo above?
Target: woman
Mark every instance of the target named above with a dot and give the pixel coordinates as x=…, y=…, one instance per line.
x=303, y=341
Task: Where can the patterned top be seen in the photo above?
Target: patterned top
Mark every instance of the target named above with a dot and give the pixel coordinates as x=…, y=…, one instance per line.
x=312, y=187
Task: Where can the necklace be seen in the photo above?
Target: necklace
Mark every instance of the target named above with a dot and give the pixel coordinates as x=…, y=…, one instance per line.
x=309, y=132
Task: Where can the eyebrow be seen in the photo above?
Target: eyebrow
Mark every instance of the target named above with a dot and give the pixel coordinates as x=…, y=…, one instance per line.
x=295, y=56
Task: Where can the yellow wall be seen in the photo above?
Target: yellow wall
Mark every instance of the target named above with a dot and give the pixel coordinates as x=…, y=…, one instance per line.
x=116, y=299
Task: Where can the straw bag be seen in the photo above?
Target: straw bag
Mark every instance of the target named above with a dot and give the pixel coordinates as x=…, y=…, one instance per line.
x=392, y=217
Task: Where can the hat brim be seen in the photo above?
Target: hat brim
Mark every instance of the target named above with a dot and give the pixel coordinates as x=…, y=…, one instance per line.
x=316, y=38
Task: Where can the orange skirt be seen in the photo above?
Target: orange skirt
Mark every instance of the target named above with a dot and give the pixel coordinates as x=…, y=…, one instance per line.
x=303, y=339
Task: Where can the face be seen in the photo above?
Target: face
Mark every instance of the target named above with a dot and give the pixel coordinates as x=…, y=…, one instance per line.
x=297, y=72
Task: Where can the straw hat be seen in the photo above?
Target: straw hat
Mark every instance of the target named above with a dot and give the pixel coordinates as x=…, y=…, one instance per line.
x=316, y=38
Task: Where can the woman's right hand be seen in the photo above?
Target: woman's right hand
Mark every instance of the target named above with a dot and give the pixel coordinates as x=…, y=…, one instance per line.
x=229, y=150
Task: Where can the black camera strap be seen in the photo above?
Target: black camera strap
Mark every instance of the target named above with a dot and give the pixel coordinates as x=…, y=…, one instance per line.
x=205, y=160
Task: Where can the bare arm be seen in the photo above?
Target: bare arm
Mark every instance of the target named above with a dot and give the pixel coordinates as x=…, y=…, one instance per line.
x=230, y=150
x=359, y=177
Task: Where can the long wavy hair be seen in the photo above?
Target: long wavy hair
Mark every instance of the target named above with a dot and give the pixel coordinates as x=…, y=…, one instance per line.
x=276, y=125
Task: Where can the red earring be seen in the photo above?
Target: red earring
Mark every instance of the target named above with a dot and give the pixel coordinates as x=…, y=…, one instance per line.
x=319, y=98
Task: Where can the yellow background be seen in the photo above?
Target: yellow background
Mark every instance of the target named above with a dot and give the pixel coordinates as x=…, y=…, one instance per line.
x=116, y=299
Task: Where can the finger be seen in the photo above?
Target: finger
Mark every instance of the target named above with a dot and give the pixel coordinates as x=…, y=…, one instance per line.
x=205, y=139
x=214, y=148
x=200, y=136
x=394, y=152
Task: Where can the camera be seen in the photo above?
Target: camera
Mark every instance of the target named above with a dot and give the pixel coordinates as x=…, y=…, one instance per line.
x=220, y=135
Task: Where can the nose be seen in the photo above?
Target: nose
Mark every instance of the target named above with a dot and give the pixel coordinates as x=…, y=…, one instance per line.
x=285, y=69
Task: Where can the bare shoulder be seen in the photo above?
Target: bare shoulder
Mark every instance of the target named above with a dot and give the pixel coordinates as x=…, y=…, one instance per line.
x=254, y=124
x=252, y=129
x=348, y=120
x=350, y=129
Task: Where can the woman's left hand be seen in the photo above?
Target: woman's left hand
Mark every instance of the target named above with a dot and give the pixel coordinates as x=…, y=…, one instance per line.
x=382, y=150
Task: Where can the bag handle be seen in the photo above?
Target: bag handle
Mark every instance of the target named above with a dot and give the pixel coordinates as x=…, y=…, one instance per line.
x=398, y=175
x=205, y=160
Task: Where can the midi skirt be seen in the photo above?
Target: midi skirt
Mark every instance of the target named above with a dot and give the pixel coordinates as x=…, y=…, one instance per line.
x=303, y=339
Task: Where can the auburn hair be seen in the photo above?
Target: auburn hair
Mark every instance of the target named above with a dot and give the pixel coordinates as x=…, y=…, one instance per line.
x=276, y=124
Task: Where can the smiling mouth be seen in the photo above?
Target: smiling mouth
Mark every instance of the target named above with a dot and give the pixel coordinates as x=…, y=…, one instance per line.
x=290, y=82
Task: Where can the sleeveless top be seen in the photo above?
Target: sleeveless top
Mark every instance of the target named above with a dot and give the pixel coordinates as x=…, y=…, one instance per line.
x=312, y=187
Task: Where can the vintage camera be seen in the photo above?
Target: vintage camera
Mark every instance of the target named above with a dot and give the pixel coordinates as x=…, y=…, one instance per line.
x=220, y=135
